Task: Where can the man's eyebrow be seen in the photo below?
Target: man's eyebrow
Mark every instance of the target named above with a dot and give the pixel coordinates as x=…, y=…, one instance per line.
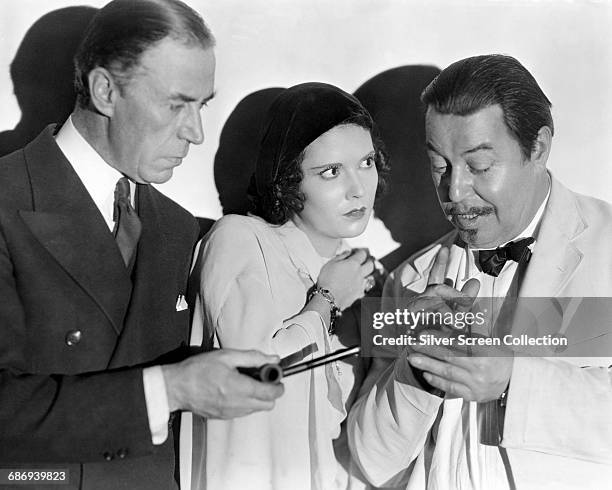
x=187, y=98
x=480, y=147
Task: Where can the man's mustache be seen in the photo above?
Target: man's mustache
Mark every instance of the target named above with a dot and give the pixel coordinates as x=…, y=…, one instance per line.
x=454, y=209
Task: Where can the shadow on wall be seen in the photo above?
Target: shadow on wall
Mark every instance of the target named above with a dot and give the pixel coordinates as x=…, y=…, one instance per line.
x=410, y=209
x=42, y=73
x=238, y=148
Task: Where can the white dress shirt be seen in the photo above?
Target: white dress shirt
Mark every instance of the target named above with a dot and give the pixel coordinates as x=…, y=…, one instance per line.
x=100, y=179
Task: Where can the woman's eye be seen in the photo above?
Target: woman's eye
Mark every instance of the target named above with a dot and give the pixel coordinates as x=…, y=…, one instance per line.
x=176, y=107
x=368, y=162
x=330, y=172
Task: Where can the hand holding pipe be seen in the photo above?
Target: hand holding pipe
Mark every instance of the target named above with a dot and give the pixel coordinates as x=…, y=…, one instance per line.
x=268, y=373
x=273, y=373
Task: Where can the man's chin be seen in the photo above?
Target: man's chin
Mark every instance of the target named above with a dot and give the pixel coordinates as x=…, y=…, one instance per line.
x=469, y=236
x=476, y=239
x=161, y=177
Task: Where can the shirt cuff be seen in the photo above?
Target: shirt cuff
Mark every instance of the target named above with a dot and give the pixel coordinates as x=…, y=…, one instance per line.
x=156, y=399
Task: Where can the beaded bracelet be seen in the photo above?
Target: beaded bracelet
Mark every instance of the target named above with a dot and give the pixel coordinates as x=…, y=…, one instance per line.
x=334, y=311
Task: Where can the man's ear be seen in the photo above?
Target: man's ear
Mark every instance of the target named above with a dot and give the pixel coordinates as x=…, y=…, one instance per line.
x=103, y=90
x=541, y=146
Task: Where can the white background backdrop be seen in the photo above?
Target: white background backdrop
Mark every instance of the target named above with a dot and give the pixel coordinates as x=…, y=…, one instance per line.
x=567, y=45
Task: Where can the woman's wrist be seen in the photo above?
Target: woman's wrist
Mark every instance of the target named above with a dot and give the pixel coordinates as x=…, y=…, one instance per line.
x=320, y=306
x=324, y=299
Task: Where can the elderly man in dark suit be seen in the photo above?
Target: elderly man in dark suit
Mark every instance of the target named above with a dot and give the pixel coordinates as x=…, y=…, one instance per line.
x=94, y=264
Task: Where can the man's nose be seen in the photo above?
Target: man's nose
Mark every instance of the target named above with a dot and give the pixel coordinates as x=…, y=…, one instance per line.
x=191, y=129
x=456, y=185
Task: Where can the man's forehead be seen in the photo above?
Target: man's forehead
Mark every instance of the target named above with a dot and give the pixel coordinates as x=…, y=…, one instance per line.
x=474, y=129
x=176, y=70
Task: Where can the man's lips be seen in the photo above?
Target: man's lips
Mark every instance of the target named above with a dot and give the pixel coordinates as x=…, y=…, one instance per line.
x=466, y=217
x=464, y=220
x=178, y=158
x=175, y=160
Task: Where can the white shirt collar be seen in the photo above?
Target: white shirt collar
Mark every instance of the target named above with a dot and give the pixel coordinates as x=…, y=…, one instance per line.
x=98, y=177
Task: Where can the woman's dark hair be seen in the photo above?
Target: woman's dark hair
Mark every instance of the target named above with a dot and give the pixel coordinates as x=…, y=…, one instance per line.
x=279, y=198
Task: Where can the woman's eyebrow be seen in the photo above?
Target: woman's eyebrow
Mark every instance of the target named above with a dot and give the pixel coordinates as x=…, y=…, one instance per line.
x=316, y=167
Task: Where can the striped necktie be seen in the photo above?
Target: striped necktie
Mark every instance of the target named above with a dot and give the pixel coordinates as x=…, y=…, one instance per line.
x=127, y=224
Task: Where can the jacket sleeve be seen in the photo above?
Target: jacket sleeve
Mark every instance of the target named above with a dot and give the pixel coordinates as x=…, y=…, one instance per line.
x=390, y=424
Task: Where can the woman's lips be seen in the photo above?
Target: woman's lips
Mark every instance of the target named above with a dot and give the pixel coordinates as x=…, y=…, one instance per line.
x=357, y=213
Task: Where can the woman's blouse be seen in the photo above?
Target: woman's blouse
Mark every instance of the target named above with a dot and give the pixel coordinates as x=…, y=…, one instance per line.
x=254, y=283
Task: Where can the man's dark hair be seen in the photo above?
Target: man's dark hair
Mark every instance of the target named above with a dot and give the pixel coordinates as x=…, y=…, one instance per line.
x=123, y=30
x=475, y=83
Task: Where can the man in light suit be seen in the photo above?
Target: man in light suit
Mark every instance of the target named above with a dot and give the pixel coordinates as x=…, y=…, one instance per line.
x=94, y=264
x=432, y=419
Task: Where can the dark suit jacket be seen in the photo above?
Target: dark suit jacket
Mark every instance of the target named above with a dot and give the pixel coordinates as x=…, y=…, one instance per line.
x=82, y=406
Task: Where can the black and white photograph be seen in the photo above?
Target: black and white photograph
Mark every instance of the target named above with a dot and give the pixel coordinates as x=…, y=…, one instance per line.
x=306, y=244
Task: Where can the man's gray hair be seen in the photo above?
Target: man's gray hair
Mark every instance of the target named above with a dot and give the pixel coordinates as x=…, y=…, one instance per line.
x=123, y=30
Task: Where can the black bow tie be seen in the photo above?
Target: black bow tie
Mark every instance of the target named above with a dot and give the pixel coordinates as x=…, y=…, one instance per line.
x=493, y=261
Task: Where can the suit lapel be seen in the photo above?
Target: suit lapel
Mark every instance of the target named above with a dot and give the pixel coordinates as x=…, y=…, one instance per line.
x=67, y=223
x=555, y=256
x=149, y=272
x=155, y=281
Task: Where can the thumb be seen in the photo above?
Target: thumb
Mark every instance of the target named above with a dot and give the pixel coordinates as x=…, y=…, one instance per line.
x=471, y=288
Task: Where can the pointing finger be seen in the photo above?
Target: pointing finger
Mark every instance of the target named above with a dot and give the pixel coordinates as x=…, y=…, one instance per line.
x=438, y=271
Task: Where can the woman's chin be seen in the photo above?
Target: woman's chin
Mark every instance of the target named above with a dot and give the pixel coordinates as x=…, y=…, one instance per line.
x=354, y=229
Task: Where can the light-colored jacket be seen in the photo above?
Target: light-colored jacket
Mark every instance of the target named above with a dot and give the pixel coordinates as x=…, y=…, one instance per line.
x=254, y=281
x=558, y=421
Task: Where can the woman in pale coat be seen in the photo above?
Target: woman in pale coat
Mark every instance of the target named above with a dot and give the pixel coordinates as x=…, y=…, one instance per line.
x=277, y=279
